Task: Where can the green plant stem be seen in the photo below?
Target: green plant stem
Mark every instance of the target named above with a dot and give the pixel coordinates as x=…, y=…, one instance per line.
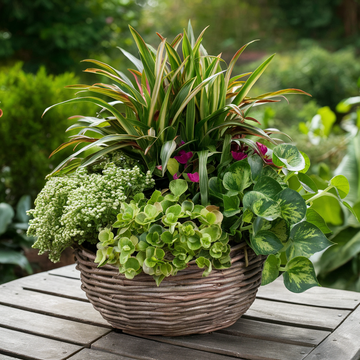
x=246, y=227
x=282, y=268
x=318, y=194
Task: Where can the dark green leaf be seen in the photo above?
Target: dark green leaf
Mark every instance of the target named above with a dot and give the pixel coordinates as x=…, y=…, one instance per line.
x=315, y=218
x=261, y=205
x=300, y=275
x=306, y=240
x=293, y=206
x=271, y=270
x=266, y=242
x=268, y=186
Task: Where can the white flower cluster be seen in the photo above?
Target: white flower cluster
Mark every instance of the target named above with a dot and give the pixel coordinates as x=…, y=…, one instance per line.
x=71, y=209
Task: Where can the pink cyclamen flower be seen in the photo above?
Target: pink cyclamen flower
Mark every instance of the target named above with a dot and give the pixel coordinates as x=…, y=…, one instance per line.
x=159, y=167
x=238, y=155
x=176, y=176
x=193, y=177
x=183, y=157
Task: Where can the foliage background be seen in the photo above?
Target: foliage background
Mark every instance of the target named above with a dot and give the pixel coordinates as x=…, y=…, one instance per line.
x=42, y=42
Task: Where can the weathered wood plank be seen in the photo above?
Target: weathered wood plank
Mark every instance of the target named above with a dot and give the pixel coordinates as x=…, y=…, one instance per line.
x=343, y=343
x=92, y=354
x=35, y=347
x=144, y=349
x=60, y=286
x=294, y=314
x=317, y=296
x=275, y=332
x=49, y=326
x=238, y=346
x=61, y=307
x=66, y=271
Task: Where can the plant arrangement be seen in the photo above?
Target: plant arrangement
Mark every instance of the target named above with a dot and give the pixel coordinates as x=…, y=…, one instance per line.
x=204, y=178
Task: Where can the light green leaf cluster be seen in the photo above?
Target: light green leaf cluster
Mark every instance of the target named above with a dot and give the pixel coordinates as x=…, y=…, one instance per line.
x=70, y=209
x=160, y=236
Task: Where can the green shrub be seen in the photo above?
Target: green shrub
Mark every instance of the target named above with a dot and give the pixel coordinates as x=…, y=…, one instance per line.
x=27, y=139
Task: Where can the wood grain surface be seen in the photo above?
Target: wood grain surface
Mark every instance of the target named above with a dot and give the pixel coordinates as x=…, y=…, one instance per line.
x=48, y=317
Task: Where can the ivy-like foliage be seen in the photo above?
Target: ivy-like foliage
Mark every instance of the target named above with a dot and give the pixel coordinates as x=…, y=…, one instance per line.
x=250, y=200
x=161, y=235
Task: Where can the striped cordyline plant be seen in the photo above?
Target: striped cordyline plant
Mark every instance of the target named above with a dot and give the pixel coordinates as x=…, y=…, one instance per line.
x=187, y=107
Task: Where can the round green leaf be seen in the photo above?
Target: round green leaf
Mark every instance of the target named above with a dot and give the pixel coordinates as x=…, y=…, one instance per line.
x=268, y=186
x=265, y=243
x=342, y=185
x=172, y=166
x=270, y=270
x=261, y=205
x=238, y=178
x=329, y=208
x=306, y=240
x=178, y=187
x=292, y=205
x=289, y=156
x=314, y=218
x=299, y=275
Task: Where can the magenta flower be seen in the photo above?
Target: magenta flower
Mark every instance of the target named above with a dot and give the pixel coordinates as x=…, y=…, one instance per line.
x=183, y=157
x=238, y=155
x=176, y=176
x=263, y=149
x=193, y=177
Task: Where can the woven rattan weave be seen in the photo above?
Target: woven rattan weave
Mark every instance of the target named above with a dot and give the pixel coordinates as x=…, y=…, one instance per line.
x=183, y=304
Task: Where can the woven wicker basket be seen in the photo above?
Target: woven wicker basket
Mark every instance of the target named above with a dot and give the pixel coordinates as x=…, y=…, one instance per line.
x=183, y=304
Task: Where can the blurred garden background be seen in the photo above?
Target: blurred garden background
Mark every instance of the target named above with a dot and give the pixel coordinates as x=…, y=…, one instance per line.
x=42, y=43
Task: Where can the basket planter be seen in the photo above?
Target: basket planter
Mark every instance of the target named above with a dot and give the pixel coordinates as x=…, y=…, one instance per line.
x=183, y=304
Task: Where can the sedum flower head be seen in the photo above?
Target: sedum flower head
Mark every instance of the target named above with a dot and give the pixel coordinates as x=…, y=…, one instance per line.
x=71, y=209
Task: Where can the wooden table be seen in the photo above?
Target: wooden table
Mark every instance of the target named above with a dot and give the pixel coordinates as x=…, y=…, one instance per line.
x=47, y=316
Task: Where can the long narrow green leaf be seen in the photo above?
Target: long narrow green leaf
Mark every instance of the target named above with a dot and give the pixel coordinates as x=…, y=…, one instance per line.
x=159, y=70
x=93, y=157
x=134, y=93
x=138, y=64
x=252, y=130
x=99, y=142
x=163, y=113
x=180, y=97
x=193, y=93
x=166, y=151
x=203, y=177
x=143, y=49
x=190, y=120
x=233, y=62
x=174, y=58
x=280, y=92
x=128, y=125
x=110, y=69
x=176, y=41
x=251, y=81
x=196, y=46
